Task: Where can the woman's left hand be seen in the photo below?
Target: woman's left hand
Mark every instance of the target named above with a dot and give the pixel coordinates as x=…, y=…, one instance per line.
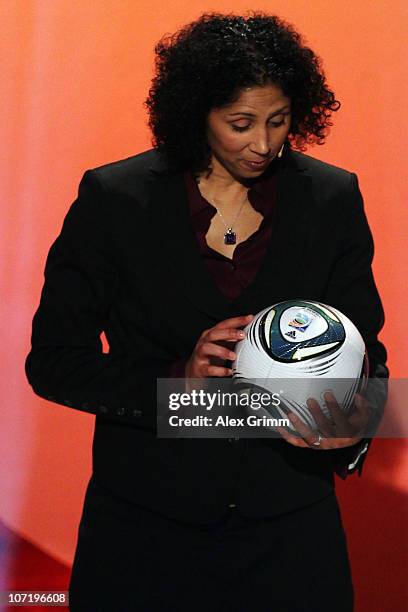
x=342, y=431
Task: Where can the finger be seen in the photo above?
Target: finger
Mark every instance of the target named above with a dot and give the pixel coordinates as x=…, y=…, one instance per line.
x=217, y=334
x=212, y=370
x=294, y=440
x=323, y=424
x=209, y=349
x=343, y=442
x=362, y=406
x=339, y=417
x=360, y=415
x=304, y=430
x=358, y=406
x=234, y=322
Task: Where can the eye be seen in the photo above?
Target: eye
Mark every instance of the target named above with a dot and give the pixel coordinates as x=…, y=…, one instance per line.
x=278, y=123
x=236, y=128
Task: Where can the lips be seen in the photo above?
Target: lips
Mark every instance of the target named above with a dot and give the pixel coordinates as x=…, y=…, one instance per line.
x=256, y=165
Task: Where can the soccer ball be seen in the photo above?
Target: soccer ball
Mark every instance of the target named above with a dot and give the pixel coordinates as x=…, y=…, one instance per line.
x=301, y=349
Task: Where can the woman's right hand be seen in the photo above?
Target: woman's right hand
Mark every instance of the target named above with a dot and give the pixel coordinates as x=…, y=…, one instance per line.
x=209, y=348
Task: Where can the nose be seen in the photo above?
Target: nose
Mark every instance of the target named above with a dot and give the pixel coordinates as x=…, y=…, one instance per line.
x=260, y=142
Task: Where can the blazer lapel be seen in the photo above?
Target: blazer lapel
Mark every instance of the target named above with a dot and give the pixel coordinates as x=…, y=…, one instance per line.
x=281, y=271
x=171, y=222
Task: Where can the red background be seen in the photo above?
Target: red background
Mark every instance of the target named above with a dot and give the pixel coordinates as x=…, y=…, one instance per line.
x=74, y=76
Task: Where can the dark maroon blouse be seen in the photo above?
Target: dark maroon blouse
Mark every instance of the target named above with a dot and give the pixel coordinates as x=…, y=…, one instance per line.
x=231, y=276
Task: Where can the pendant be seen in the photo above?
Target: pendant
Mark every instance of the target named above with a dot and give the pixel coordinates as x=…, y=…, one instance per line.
x=230, y=236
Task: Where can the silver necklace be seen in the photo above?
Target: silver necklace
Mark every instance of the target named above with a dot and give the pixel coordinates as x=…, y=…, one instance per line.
x=230, y=236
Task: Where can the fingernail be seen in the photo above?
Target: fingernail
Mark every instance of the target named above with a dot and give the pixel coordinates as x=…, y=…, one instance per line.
x=241, y=334
x=232, y=355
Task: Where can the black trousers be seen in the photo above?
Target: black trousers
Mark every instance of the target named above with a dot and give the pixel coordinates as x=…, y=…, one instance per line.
x=130, y=559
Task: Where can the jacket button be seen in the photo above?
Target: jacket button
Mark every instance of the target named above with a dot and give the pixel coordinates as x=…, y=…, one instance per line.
x=120, y=411
x=103, y=409
x=137, y=413
x=85, y=405
x=50, y=397
x=232, y=506
x=67, y=402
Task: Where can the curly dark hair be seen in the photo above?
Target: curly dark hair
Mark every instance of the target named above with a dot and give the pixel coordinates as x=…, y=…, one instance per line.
x=207, y=63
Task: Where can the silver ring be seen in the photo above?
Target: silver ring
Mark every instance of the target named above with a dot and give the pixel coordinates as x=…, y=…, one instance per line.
x=319, y=439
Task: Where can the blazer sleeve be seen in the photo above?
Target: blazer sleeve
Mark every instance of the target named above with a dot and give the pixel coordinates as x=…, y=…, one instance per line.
x=353, y=291
x=66, y=363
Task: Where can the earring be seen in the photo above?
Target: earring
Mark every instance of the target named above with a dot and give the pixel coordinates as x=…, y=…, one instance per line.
x=281, y=151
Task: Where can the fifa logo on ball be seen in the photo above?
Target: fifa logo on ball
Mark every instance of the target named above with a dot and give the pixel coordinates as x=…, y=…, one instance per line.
x=300, y=323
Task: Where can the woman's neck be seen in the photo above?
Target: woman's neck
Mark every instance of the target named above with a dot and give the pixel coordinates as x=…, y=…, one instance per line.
x=220, y=185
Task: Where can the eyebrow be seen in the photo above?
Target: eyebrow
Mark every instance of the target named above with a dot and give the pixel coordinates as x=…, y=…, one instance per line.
x=278, y=112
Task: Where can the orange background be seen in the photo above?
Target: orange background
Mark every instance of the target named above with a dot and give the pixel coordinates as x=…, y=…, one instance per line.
x=74, y=74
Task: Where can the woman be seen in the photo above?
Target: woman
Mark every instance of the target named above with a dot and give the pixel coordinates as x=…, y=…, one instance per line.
x=170, y=252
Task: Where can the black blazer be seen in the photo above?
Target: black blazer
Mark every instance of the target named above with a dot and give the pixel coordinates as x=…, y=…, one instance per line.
x=127, y=263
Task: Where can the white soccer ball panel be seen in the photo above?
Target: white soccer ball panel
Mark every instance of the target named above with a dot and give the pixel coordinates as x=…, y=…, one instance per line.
x=308, y=363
